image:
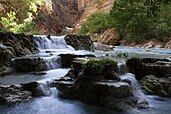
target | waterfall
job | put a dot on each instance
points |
(45, 42)
(46, 89)
(136, 89)
(52, 62)
(50, 47)
(2, 46)
(122, 68)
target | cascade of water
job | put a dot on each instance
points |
(52, 63)
(2, 46)
(122, 68)
(51, 42)
(44, 89)
(136, 89)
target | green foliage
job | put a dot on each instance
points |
(18, 15)
(97, 67)
(95, 23)
(134, 20)
(138, 19)
(135, 57)
(122, 55)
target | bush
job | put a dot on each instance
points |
(96, 23)
(17, 15)
(136, 20)
(98, 67)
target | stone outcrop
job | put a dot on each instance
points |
(14, 45)
(156, 86)
(67, 59)
(58, 14)
(110, 37)
(98, 84)
(28, 64)
(80, 42)
(13, 94)
(149, 66)
(103, 47)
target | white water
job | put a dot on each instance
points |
(2, 46)
(52, 42)
(136, 89)
(51, 104)
(122, 69)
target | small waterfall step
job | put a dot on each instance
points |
(136, 89)
(45, 42)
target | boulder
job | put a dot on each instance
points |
(156, 86)
(21, 44)
(5, 56)
(12, 95)
(32, 87)
(14, 45)
(67, 59)
(67, 89)
(98, 84)
(103, 47)
(5, 70)
(149, 66)
(27, 64)
(80, 42)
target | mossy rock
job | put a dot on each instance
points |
(105, 67)
(151, 85)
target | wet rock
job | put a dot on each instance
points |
(80, 42)
(5, 70)
(103, 47)
(29, 64)
(149, 66)
(156, 86)
(5, 56)
(13, 94)
(67, 89)
(67, 59)
(32, 87)
(14, 45)
(98, 87)
(39, 73)
(20, 43)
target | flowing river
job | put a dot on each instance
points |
(50, 103)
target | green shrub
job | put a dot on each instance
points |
(96, 23)
(97, 67)
(138, 20)
(135, 57)
(18, 15)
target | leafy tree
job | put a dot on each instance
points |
(95, 23)
(17, 15)
(139, 19)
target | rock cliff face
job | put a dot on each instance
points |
(55, 15)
